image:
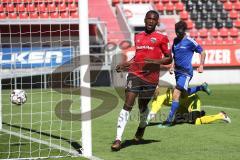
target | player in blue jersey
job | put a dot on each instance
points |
(183, 49)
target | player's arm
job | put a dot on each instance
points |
(202, 60)
(124, 66)
(165, 47)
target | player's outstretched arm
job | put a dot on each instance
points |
(202, 60)
(167, 59)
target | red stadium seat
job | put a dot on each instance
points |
(74, 14)
(12, 15)
(41, 7)
(44, 15)
(233, 14)
(237, 41)
(203, 33)
(159, 7)
(165, 1)
(193, 33)
(1, 8)
(72, 7)
(199, 41)
(223, 1)
(218, 41)
(145, 1)
(228, 6)
(51, 7)
(175, 1)
(65, 14)
(224, 32)
(3, 15)
(62, 7)
(237, 6)
(189, 24)
(21, 7)
(17, 1)
(33, 15)
(179, 6)
(156, 1)
(27, 1)
(184, 15)
(237, 23)
(23, 15)
(229, 40)
(54, 15)
(136, 1)
(10, 7)
(208, 41)
(126, 1)
(30, 7)
(234, 32)
(233, 1)
(169, 8)
(214, 32)
(114, 2)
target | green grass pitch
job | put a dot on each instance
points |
(216, 141)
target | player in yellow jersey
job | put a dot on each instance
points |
(189, 110)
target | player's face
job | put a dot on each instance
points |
(151, 20)
(180, 32)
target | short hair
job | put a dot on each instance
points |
(181, 25)
(153, 12)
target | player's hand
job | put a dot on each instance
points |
(118, 68)
(171, 70)
(122, 67)
(200, 69)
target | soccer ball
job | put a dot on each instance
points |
(18, 96)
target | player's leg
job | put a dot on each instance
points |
(204, 87)
(131, 93)
(182, 82)
(144, 98)
(211, 118)
(156, 106)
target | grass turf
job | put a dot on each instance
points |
(213, 141)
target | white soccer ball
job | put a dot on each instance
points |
(18, 96)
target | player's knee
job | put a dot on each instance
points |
(127, 107)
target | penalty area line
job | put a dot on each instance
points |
(218, 107)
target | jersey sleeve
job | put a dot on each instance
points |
(165, 45)
(196, 47)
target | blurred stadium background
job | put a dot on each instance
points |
(39, 36)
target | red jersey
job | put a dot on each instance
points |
(152, 46)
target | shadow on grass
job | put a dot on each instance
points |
(128, 143)
(74, 144)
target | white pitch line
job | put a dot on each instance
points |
(218, 107)
(73, 152)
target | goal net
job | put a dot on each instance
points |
(39, 43)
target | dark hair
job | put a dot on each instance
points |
(153, 12)
(181, 25)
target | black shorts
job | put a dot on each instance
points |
(137, 85)
(188, 117)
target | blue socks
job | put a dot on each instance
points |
(174, 107)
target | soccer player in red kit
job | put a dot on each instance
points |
(152, 50)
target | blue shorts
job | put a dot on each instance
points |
(182, 81)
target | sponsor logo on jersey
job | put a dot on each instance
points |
(153, 40)
(144, 47)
